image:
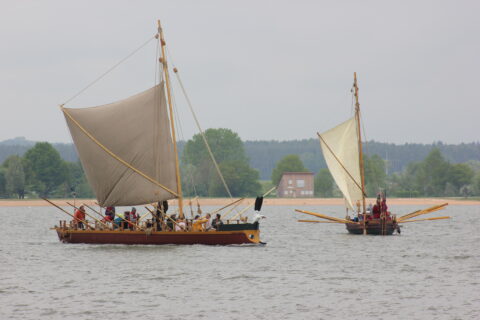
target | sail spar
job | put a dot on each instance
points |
(341, 153)
(126, 149)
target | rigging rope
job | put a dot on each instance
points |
(175, 70)
(109, 70)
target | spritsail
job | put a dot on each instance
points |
(341, 153)
(126, 149)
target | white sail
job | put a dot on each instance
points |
(340, 150)
(126, 149)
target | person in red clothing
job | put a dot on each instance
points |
(377, 208)
(79, 217)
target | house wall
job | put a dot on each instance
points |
(296, 185)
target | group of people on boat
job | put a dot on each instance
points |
(377, 211)
(160, 221)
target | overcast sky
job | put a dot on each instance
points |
(266, 69)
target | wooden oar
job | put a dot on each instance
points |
(228, 205)
(88, 215)
(251, 205)
(86, 205)
(426, 219)
(318, 221)
(420, 212)
(326, 217)
(71, 215)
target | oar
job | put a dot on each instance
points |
(251, 205)
(426, 219)
(226, 214)
(326, 217)
(88, 215)
(420, 212)
(53, 204)
(318, 221)
(228, 205)
(86, 205)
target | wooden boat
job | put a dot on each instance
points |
(343, 153)
(129, 153)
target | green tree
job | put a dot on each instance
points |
(46, 170)
(3, 191)
(460, 175)
(15, 176)
(375, 176)
(241, 179)
(199, 174)
(324, 184)
(289, 163)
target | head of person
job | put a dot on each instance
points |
(378, 198)
(82, 208)
(208, 216)
(219, 216)
(133, 210)
(196, 217)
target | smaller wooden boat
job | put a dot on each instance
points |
(343, 153)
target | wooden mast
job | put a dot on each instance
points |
(172, 121)
(360, 149)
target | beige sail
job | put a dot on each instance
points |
(126, 149)
(340, 150)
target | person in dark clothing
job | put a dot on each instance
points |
(217, 222)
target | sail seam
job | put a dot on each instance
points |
(113, 155)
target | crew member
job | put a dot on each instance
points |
(79, 217)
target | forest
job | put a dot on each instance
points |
(29, 169)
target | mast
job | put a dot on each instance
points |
(172, 122)
(360, 149)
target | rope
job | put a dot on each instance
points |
(203, 135)
(109, 70)
(113, 155)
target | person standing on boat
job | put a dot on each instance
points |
(217, 222)
(110, 214)
(377, 208)
(79, 217)
(208, 224)
(126, 221)
(133, 217)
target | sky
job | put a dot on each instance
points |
(268, 70)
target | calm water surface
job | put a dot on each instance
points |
(307, 271)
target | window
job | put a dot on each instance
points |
(300, 183)
(289, 181)
(285, 192)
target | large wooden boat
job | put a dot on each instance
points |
(343, 153)
(129, 154)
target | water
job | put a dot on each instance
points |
(307, 271)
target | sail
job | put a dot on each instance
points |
(126, 149)
(340, 150)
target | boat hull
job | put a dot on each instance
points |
(373, 227)
(159, 238)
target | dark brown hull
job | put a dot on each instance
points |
(373, 227)
(158, 238)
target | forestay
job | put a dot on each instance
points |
(136, 133)
(341, 153)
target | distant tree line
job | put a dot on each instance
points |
(439, 170)
(41, 172)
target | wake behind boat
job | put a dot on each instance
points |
(343, 153)
(129, 153)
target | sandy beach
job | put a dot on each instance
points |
(267, 202)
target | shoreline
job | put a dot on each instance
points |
(266, 202)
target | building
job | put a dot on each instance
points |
(296, 185)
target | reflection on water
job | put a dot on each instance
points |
(307, 271)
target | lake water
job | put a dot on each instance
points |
(306, 271)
